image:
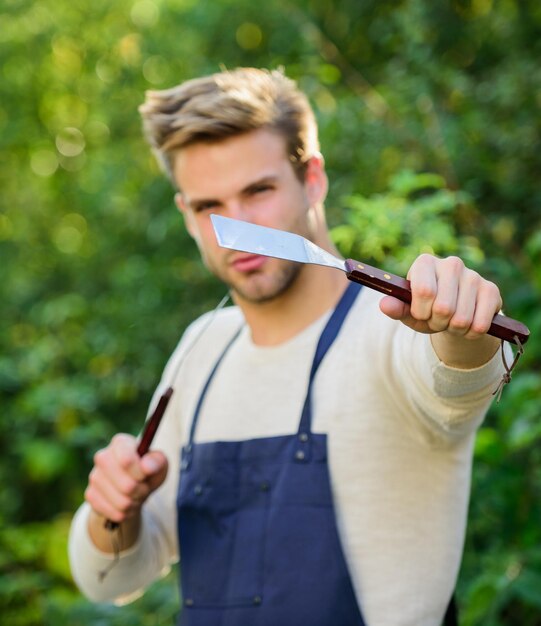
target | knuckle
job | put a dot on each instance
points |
(123, 446)
(93, 477)
(424, 260)
(125, 503)
(459, 323)
(492, 290)
(118, 439)
(91, 496)
(100, 457)
(442, 309)
(419, 315)
(473, 278)
(436, 327)
(125, 456)
(479, 328)
(455, 263)
(88, 492)
(425, 257)
(128, 486)
(423, 291)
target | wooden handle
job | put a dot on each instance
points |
(502, 327)
(153, 422)
(151, 426)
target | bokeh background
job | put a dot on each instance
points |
(430, 116)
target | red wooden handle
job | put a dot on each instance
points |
(153, 422)
(502, 327)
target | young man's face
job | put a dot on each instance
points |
(248, 177)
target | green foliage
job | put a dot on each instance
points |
(502, 567)
(159, 605)
(430, 125)
(414, 216)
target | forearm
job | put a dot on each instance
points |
(455, 351)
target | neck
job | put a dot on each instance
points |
(315, 291)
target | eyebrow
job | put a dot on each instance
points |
(264, 180)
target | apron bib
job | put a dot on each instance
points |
(256, 523)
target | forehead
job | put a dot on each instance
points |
(218, 168)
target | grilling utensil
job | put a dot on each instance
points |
(254, 239)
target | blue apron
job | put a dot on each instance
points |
(257, 531)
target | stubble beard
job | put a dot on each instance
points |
(260, 292)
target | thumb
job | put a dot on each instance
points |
(154, 465)
(394, 308)
(397, 310)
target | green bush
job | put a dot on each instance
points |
(430, 125)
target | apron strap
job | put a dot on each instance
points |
(326, 340)
(207, 385)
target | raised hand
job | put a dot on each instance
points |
(119, 484)
(450, 299)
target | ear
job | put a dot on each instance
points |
(186, 214)
(315, 180)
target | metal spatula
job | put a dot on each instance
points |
(254, 239)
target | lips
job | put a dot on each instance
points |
(248, 262)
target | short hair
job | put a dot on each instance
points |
(229, 103)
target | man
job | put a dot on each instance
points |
(326, 432)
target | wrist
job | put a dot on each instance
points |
(109, 540)
(458, 352)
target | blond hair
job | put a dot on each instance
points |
(226, 104)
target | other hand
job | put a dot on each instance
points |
(121, 480)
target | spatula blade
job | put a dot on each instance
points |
(255, 239)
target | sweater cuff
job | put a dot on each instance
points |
(454, 382)
(88, 562)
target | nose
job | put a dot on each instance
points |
(236, 209)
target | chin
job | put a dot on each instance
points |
(270, 288)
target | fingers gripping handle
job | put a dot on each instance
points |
(389, 284)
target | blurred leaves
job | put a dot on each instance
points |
(414, 216)
(430, 125)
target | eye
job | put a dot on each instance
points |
(205, 206)
(261, 188)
